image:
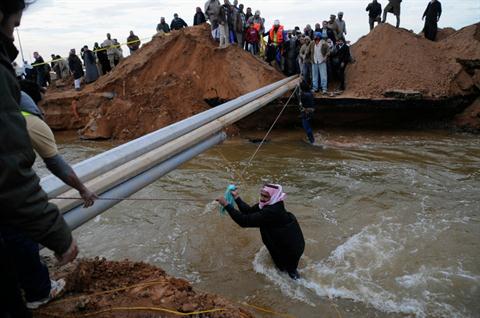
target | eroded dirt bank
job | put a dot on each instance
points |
(170, 78)
(101, 288)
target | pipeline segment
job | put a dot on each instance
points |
(78, 216)
(144, 162)
(108, 160)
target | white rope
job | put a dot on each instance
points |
(265, 138)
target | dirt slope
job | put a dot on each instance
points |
(96, 286)
(396, 59)
(168, 79)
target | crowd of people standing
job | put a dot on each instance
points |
(318, 53)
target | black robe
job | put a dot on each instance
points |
(279, 228)
(431, 15)
(75, 66)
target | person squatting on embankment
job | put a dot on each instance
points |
(279, 228)
(27, 218)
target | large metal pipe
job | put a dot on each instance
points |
(104, 162)
(158, 155)
(79, 215)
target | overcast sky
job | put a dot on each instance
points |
(56, 26)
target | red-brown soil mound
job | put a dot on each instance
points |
(125, 289)
(396, 59)
(167, 80)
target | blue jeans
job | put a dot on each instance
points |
(320, 71)
(32, 273)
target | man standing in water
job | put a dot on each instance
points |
(279, 228)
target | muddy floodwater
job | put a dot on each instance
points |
(391, 222)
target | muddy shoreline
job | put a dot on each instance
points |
(97, 287)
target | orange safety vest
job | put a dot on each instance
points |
(279, 35)
(257, 26)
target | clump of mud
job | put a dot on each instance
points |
(97, 287)
(395, 59)
(170, 78)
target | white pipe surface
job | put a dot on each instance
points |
(113, 158)
(78, 216)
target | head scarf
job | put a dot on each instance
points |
(276, 194)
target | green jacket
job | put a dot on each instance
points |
(23, 203)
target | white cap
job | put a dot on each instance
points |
(276, 22)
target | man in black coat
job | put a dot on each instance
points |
(177, 23)
(41, 70)
(340, 58)
(76, 68)
(374, 13)
(279, 228)
(199, 17)
(432, 16)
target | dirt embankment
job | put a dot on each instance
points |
(389, 59)
(176, 76)
(171, 78)
(126, 289)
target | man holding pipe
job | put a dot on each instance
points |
(26, 217)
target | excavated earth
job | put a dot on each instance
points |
(100, 288)
(170, 78)
(389, 59)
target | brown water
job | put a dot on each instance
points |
(391, 221)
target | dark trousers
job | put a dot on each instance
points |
(307, 73)
(308, 129)
(339, 73)
(41, 79)
(11, 300)
(430, 29)
(32, 274)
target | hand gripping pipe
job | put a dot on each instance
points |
(115, 157)
(78, 216)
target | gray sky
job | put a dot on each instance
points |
(56, 26)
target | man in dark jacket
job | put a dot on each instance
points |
(199, 17)
(163, 26)
(133, 42)
(76, 68)
(374, 12)
(327, 33)
(41, 70)
(26, 215)
(239, 25)
(432, 14)
(340, 58)
(177, 23)
(279, 228)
